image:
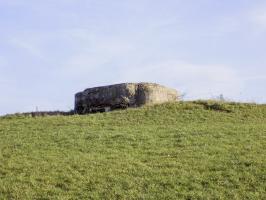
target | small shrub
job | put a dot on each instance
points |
(215, 105)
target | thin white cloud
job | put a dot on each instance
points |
(201, 81)
(258, 16)
(255, 77)
(27, 46)
(95, 52)
(82, 65)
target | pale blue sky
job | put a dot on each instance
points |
(51, 49)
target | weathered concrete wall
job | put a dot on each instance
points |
(122, 96)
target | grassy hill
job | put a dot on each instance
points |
(186, 150)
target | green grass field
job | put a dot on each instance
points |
(186, 150)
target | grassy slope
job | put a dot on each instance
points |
(170, 151)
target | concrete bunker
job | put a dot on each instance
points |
(124, 95)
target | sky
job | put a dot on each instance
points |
(50, 50)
